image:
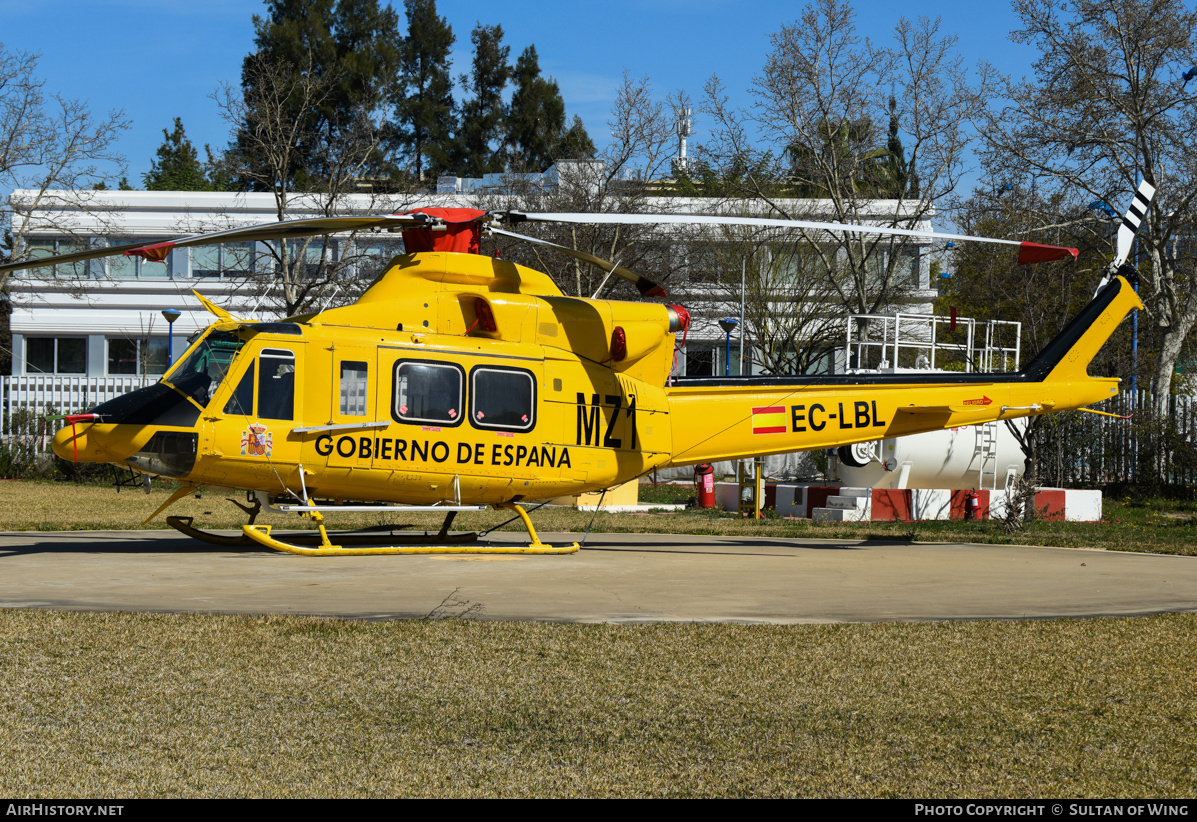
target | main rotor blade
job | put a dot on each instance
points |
(1130, 223)
(645, 286)
(271, 231)
(1028, 252)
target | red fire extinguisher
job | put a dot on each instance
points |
(970, 505)
(704, 485)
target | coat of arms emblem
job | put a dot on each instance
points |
(256, 441)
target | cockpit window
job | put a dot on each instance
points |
(242, 402)
(206, 366)
(276, 384)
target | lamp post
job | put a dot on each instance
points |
(171, 314)
(727, 324)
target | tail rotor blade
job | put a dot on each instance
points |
(1130, 223)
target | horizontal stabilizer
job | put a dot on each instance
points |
(941, 410)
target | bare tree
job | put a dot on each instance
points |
(1109, 106)
(277, 150)
(787, 327)
(622, 178)
(52, 149)
(813, 144)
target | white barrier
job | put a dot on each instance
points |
(25, 399)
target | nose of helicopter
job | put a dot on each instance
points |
(79, 441)
(127, 429)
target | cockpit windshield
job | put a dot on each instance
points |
(206, 367)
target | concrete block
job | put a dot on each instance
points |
(1082, 505)
(840, 515)
(891, 505)
(848, 503)
(931, 503)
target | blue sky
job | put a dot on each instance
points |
(158, 59)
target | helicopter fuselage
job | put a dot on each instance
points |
(462, 378)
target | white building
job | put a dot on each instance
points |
(104, 318)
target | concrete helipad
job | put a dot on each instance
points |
(615, 578)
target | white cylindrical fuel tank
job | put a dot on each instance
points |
(972, 456)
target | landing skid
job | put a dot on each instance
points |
(184, 526)
(357, 544)
(261, 535)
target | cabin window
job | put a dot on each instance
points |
(206, 366)
(502, 399)
(428, 392)
(276, 384)
(242, 401)
(353, 388)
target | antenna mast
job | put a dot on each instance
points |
(684, 129)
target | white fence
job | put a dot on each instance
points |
(25, 400)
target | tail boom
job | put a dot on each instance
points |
(714, 419)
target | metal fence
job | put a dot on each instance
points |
(1154, 446)
(26, 400)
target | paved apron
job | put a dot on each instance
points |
(615, 578)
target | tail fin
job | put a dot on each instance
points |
(1067, 357)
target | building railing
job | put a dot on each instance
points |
(929, 341)
(25, 401)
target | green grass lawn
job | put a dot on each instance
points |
(114, 705)
(102, 705)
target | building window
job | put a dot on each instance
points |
(428, 392)
(502, 399)
(41, 247)
(145, 357)
(700, 362)
(127, 267)
(55, 355)
(228, 260)
(310, 259)
(374, 256)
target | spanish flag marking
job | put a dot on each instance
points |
(769, 420)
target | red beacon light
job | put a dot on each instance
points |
(619, 344)
(484, 318)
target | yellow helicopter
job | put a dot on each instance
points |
(459, 381)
